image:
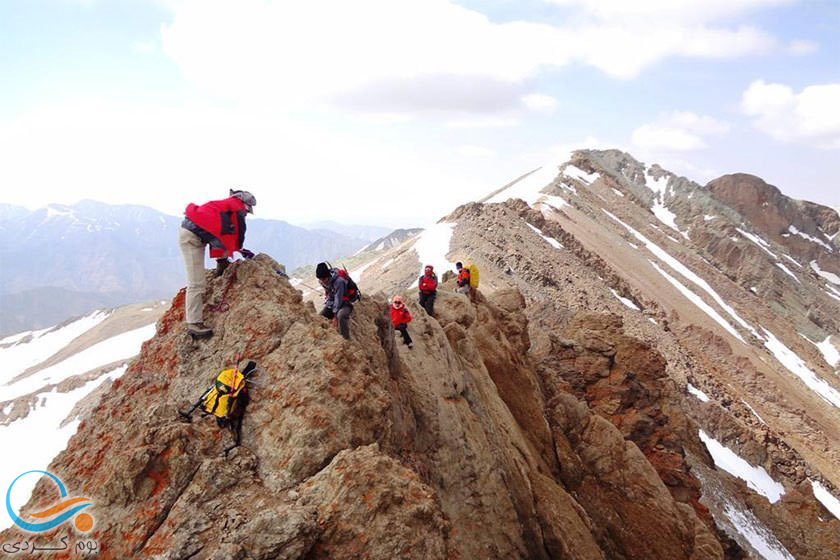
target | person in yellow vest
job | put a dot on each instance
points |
(463, 282)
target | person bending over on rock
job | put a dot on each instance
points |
(463, 283)
(337, 306)
(400, 318)
(221, 225)
(428, 289)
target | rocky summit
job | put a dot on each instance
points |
(648, 370)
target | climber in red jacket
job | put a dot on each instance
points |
(221, 225)
(400, 318)
(427, 285)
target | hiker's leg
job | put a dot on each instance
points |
(192, 248)
(327, 312)
(430, 304)
(404, 332)
(344, 320)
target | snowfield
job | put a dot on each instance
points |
(120, 347)
(22, 355)
(755, 477)
(432, 246)
(796, 366)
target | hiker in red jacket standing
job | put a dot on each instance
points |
(221, 225)
(428, 289)
(400, 318)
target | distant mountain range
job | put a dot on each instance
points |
(60, 261)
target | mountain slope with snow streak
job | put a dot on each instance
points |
(698, 277)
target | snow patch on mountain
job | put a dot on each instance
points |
(758, 241)
(760, 538)
(120, 347)
(574, 172)
(23, 354)
(550, 240)
(677, 266)
(698, 301)
(756, 477)
(756, 414)
(787, 271)
(432, 246)
(830, 276)
(796, 365)
(825, 497)
(625, 301)
(697, 393)
(528, 188)
(792, 229)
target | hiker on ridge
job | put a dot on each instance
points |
(400, 318)
(221, 225)
(428, 289)
(338, 296)
(463, 282)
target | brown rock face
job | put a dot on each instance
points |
(772, 213)
(364, 448)
(624, 380)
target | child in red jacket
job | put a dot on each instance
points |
(400, 318)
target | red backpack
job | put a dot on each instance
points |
(353, 294)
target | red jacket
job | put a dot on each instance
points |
(400, 316)
(428, 284)
(224, 220)
(464, 277)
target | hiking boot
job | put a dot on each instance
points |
(199, 330)
(410, 345)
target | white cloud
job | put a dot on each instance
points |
(802, 47)
(677, 131)
(470, 150)
(483, 122)
(539, 102)
(166, 157)
(687, 11)
(404, 52)
(811, 116)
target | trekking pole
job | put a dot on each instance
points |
(188, 415)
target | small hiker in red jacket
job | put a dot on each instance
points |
(428, 289)
(400, 318)
(221, 225)
(463, 282)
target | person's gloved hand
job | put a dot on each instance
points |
(221, 265)
(246, 253)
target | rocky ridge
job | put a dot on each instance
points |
(458, 448)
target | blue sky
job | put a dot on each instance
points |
(395, 111)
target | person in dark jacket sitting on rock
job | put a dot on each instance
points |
(400, 318)
(428, 289)
(221, 225)
(463, 282)
(337, 306)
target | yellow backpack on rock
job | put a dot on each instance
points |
(473, 276)
(221, 399)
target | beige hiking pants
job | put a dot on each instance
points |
(193, 250)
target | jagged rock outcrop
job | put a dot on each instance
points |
(772, 213)
(364, 448)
